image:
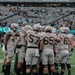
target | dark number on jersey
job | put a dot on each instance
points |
(66, 40)
(49, 40)
(31, 39)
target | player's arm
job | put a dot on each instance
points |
(6, 38)
(24, 31)
(58, 39)
(16, 43)
(72, 43)
(41, 46)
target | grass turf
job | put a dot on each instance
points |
(12, 65)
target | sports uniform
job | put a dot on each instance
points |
(48, 50)
(20, 48)
(70, 54)
(9, 46)
(48, 53)
(63, 49)
(33, 43)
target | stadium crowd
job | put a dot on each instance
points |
(42, 15)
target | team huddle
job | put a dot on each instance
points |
(40, 50)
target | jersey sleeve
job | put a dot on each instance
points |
(9, 32)
(70, 36)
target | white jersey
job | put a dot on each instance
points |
(70, 36)
(33, 38)
(22, 39)
(64, 44)
(11, 39)
(49, 40)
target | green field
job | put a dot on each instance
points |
(12, 66)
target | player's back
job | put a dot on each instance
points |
(33, 39)
(49, 40)
(64, 44)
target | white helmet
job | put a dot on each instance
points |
(14, 25)
(67, 30)
(48, 28)
(64, 29)
(37, 27)
(53, 30)
(28, 27)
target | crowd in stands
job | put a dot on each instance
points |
(42, 15)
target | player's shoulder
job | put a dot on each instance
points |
(9, 32)
(30, 31)
(42, 33)
(70, 35)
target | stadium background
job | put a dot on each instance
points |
(33, 3)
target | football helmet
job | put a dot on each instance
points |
(28, 27)
(67, 30)
(37, 27)
(53, 30)
(64, 30)
(48, 28)
(14, 26)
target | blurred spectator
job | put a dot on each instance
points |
(43, 15)
(27, 19)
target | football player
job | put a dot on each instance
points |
(55, 49)
(20, 65)
(48, 50)
(63, 48)
(9, 45)
(20, 47)
(71, 36)
(33, 47)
